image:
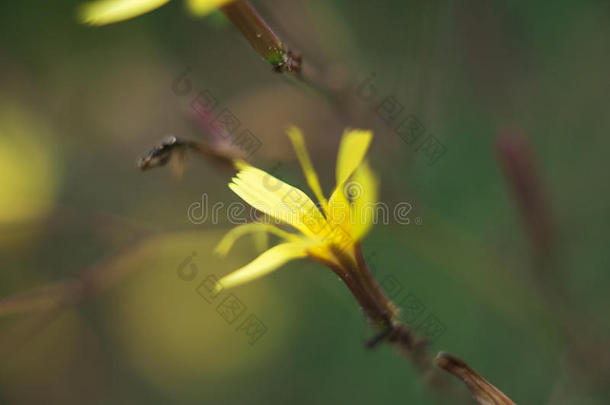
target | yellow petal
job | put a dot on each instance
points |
(339, 211)
(296, 136)
(260, 241)
(353, 205)
(240, 164)
(203, 7)
(338, 207)
(103, 12)
(229, 239)
(278, 200)
(352, 150)
(264, 264)
(363, 205)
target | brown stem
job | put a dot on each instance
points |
(260, 36)
(380, 311)
(371, 308)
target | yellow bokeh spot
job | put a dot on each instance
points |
(28, 168)
(176, 338)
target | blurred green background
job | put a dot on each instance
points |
(79, 104)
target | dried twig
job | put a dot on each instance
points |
(173, 150)
(481, 389)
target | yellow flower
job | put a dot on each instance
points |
(328, 233)
(102, 12)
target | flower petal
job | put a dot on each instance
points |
(352, 150)
(296, 136)
(363, 206)
(278, 200)
(203, 7)
(353, 205)
(229, 239)
(104, 12)
(339, 211)
(264, 264)
(260, 241)
(339, 208)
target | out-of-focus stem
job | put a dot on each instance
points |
(259, 34)
(267, 44)
(519, 163)
(521, 172)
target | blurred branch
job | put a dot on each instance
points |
(481, 389)
(38, 299)
(93, 281)
(518, 162)
(521, 171)
(523, 179)
(13, 339)
(46, 303)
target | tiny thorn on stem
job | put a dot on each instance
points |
(380, 337)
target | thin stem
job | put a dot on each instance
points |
(381, 312)
(268, 45)
(259, 35)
